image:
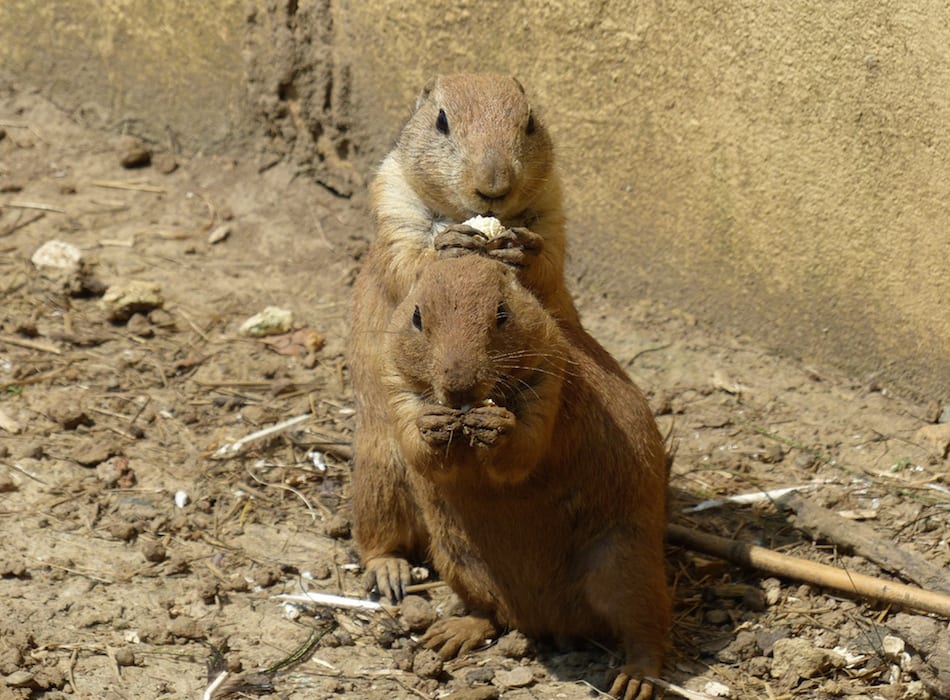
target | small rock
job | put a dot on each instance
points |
(514, 645)
(164, 163)
(518, 677)
(402, 659)
(427, 664)
(133, 153)
(122, 300)
(115, 472)
(892, 646)
(68, 414)
(221, 233)
(716, 689)
(770, 454)
(936, 437)
(773, 591)
(139, 325)
(797, 658)
(716, 617)
(417, 613)
(944, 415)
(920, 632)
(766, 638)
(337, 527)
(271, 321)
(14, 568)
(59, 256)
(479, 675)
(185, 627)
(124, 656)
(19, 679)
(7, 484)
(932, 412)
(483, 693)
(754, 599)
(154, 551)
(804, 461)
(182, 498)
(265, 578)
(123, 531)
(92, 452)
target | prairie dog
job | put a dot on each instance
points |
(538, 470)
(473, 146)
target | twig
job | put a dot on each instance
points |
(215, 684)
(21, 224)
(31, 205)
(285, 487)
(230, 450)
(72, 679)
(121, 185)
(865, 541)
(747, 498)
(31, 344)
(334, 601)
(678, 690)
(764, 559)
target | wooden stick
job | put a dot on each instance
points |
(812, 572)
(123, 185)
(31, 344)
(865, 541)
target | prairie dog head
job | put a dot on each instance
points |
(468, 333)
(475, 146)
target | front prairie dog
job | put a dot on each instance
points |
(538, 469)
(474, 146)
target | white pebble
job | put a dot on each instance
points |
(182, 499)
(316, 458)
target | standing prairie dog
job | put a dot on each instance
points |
(537, 468)
(473, 147)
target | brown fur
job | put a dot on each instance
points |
(431, 181)
(545, 506)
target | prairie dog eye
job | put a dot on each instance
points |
(502, 315)
(442, 122)
(417, 319)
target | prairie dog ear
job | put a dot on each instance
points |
(520, 86)
(426, 90)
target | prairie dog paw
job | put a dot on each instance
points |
(485, 425)
(455, 636)
(388, 575)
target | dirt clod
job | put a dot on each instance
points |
(518, 677)
(153, 551)
(514, 645)
(417, 613)
(133, 153)
(427, 664)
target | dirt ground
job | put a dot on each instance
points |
(141, 548)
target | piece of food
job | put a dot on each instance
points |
(489, 225)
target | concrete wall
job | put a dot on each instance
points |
(779, 169)
(169, 71)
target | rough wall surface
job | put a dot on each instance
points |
(169, 71)
(777, 168)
